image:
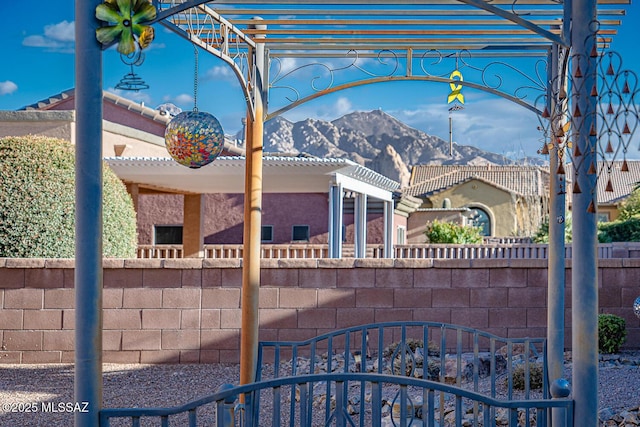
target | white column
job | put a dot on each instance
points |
(360, 219)
(388, 229)
(335, 221)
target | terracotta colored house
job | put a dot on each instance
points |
(503, 200)
(305, 199)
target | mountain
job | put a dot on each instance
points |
(373, 139)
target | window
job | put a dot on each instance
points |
(603, 216)
(167, 234)
(267, 233)
(400, 235)
(300, 233)
(479, 218)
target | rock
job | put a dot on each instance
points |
(467, 366)
(606, 414)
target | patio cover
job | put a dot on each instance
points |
(413, 34)
(281, 174)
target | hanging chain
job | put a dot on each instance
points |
(195, 81)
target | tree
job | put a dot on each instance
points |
(447, 232)
(37, 202)
(631, 205)
(542, 235)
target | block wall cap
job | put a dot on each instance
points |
(528, 263)
(489, 263)
(113, 263)
(25, 263)
(60, 263)
(298, 263)
(143, 263)
(374, 263)
(336, 263)
(628, 262)
(269, 263)
(221, 263)
(413, 263)
(611, 263)
(452, 263)
(183, 263)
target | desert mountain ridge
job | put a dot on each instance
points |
(376, 140)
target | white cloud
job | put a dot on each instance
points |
(491, 124)
(183, 98)
(8, 87)
(328, 111)
(40, 41)
(342, 106)
(58, 37)
(63, 31)
(220, 72)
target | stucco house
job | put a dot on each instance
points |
(306, 200)
(503, 200)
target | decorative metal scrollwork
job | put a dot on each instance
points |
(280, 76)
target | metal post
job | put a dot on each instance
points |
(88, 240)
(584, 280)
(252, 224)
(556, 276)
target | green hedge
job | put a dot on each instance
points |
(627, 230)
(447, 232)
(37, 209)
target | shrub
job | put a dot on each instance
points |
(627, 230)
(37, 202)
(447, 232)
(535, 376)
(612, 333)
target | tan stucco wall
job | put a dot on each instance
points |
(54, 124)
(611, 210)
(476, 193)
(61, 124)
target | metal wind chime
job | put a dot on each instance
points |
(127, 21)
(614, 123)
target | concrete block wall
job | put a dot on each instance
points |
(188, 310)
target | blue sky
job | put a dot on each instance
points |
(39, 62)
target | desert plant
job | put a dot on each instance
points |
(535, 376)
(612, 333)
(447, 232)
(37, 202)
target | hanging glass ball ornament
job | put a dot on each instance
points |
(194, 139)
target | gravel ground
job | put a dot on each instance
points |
(50, 388)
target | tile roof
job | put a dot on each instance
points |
(622, 182)
(141, 109)
(520, 180)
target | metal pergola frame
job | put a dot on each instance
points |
(410, 32)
